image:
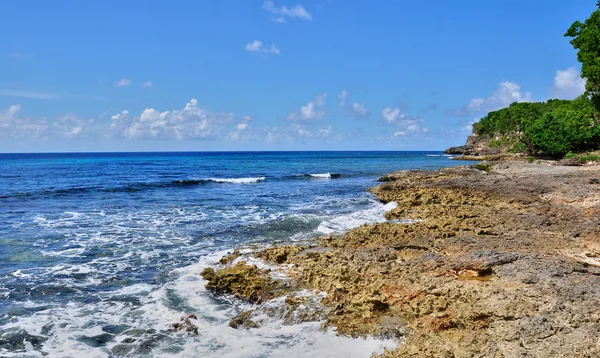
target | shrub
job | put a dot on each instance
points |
(519, 147)
(566, 129)
(570, 155)
(484, 167)
(530, 159)
(589, 158)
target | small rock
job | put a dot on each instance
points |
(186, 325)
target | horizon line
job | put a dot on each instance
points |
(220, 151)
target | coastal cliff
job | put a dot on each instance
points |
(471, 263)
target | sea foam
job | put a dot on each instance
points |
(236, 180)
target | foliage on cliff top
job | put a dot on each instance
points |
(586, 39)
(515, 117)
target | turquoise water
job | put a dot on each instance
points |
(99, 252)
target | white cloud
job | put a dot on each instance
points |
(324, 132)
(191, 122)
(147, 84)
(506, 93)
(404, 123)
(312, 110)
(297, 11)
(123, 82)
(568, 84)
(301, 131)
(258, 47)
(390, 114)
(14, 126)
(240, 133)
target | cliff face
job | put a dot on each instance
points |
(483, 145)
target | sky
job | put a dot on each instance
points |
(274, 75)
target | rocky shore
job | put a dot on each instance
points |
(471, 263)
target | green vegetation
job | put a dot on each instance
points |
(552, 128)
(556, 127)
(586, 39)
(514, 117)
(530, 159)
(568, 128)
(519, 147)
(484, 167)
(583, 158)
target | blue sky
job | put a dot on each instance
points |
(274, 75)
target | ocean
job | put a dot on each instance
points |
(101, 252)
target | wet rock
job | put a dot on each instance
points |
(225, 260)
(147, 345)
(243, 320)
(122, 350)
(185, 324)
(242, 280)
(96, 341)
(15, 341)
(115, 328)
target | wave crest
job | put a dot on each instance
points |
(236, 180)
(325, 175)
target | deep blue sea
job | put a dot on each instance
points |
(100, 252)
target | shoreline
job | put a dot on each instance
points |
(498, 263)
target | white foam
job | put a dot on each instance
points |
(346, 222)
(433, 155)
(163, 305)
(237, 180)
(325, 175)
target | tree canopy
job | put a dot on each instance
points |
(586, 39)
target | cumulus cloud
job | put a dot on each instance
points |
(147, 84)
(14, 126)
(240, 132)
(191, 122)
(506, 93)
(405, 124)
(258, 47)
(297, 11)
(312, 110)
(568, 84)
(123, 82)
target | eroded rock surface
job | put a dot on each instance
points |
(503, 263)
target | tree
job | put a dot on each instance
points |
(586, 39)
(566, 129)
